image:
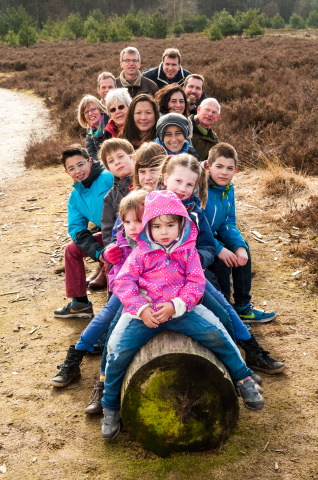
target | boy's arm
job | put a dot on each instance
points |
(205, 244)
(108, 217)
(126, 284)
(77, 229)
(229, 234)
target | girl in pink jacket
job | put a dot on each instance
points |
(160, 286)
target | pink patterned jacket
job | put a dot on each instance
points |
(153, 272)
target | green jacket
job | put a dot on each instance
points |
(202, 143)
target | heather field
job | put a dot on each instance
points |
(268, 89)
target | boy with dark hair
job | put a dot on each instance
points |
(91, 184)
(232, 253)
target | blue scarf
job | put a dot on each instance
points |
(184, 148)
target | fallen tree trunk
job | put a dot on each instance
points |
(177, 396)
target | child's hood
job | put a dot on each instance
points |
(164, 202)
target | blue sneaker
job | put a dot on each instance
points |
(249, 314)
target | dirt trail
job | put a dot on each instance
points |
(44, 431)
(22, 116)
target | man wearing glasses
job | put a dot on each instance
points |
(130, 76)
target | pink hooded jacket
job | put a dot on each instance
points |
(162, 274)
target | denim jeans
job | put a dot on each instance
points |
(242, 280)
(99, 325)
(109, 332)
(241, 332)
(130, 334)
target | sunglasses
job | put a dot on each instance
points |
(120, 107)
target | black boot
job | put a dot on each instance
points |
(70, 369)
(258, 359)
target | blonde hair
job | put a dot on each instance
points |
(188, 161)
(148, 155)
(83, 104)
(132, 202)
(112, 145)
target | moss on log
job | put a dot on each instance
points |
(177, 396)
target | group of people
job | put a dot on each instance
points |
(157, 183)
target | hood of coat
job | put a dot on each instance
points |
(164, 202)
(96, 170)
(222, 189)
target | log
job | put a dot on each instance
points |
(177, 396)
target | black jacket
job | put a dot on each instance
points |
(158, 76)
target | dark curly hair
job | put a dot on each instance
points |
(163, 97)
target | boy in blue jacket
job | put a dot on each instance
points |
(232, 251)
(91, 183)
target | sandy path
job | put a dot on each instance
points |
(22, 116)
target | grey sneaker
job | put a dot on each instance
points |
(251, 397)
(110, 423)
(75, 309)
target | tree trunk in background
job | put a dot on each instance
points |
(177, 396)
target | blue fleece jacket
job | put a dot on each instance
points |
(220, 213)
(85, 204)
(205, 244)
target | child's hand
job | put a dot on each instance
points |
(165, 312)
(242, 257)
(228, 257)
(113, 254)
(148, 317)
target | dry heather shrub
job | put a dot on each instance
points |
(305, 216)
(268, 87)
(45, 153)
(279, 180)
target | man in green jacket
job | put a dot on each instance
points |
(204, 137)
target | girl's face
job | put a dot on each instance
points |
(144, 116)
(92, 115)
(117, 112)
(164, 230)
(176, 103)
(148, 177)
(173, 138)
(222, 170)
(182, 181)
(132, 226)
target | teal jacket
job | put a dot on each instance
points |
(85, 204)
(220, 212)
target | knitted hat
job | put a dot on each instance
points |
(174, 119)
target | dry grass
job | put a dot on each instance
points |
(268, 87)
(280, 180)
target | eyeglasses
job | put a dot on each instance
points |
(127, 60)
(91, 110)
(79, 166)
(119, 107)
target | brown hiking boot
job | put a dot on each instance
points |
(95, 405)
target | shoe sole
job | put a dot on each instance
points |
(270, 372)
(253, 320)
(74, 315)
(64, 384)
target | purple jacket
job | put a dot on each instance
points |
(122, 242)
(153, 272)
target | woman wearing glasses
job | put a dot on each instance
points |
(91, 114)
(117, 103)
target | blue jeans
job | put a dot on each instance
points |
(99, 325)
(241, 332)
(130, 334)
(242, 280)
(110, 331)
